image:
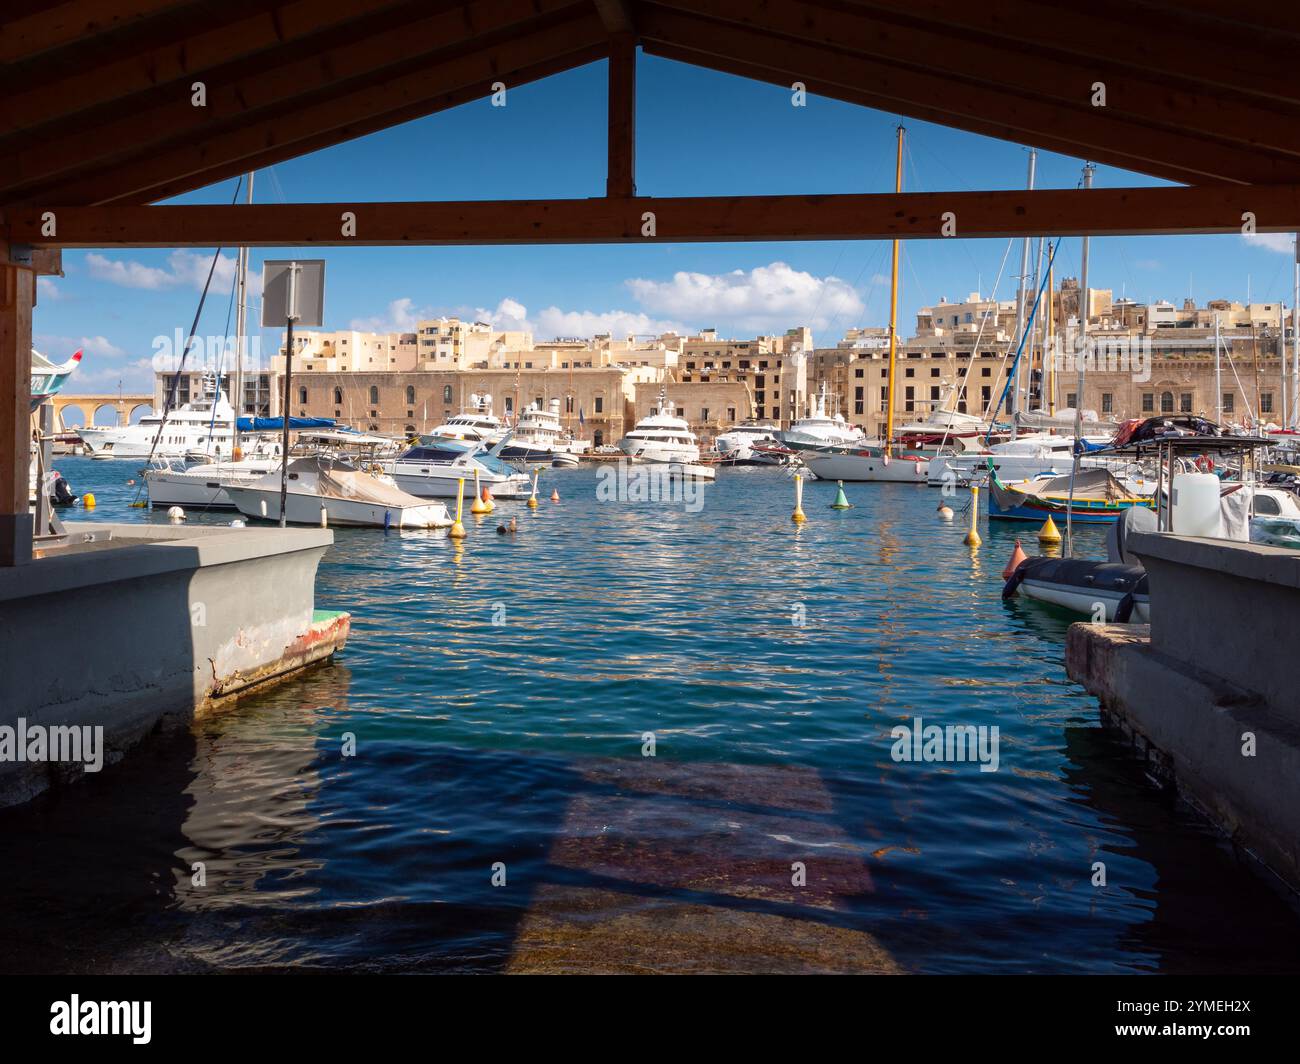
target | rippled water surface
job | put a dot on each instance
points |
(500, 697)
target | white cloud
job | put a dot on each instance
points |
(183, 268)
(59, 348)
(1283, 243)
(767, 298)
(402, 316)
(554, 321)
(47, 290)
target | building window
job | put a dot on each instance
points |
(986, 371)
(374, 395)
(1148, 402)
(936, 370)
(1185, 402)
(1227, 402)
(568, 404)
(858, 372)
(731, 413)
(1166, 402)
(1071, 400)
(909, 398)
(446, 393)
(600, 404)
(1107, 403)
(910, 371)
(704, 413)
(410, 394)
(338, 396)
(1266, 403)
(302, 395)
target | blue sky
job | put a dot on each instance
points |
(699, 133)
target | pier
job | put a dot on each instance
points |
(1207, 692)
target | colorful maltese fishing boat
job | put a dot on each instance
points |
(1098, 498)
(47, 378)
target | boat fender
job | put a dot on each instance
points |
(1013, 581)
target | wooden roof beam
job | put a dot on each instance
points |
(879, 216)
(1031, 73)
(279, 134)
(33, 97)
(234, 96)
(1154, 43)
(1086, 132)
(28, 32)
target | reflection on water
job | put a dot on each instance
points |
(499, 813)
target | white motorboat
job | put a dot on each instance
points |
(476, 426)
(206, 425)
(662, 436)
(539, 437)
(203, 486)
(335, 489)
(736, 445)
(432, 468)
(820, 428)
(866, 464)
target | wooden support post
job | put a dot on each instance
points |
(17, 293)
(621, 180)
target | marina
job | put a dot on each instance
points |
(522, 742)
(638, 487)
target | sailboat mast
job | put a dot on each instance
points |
(1049, 356)
(1020, 298)
(1080, 356)
(893, 309)
(1218, 375)
(1295, 339)
(241, 300)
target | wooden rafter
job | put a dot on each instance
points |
(1047, 212)
(921, 93)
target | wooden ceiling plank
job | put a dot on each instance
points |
(1153, 44)
(31, 33)
(1030, 73)
(332, 119)
(1092, 132)
(67, 89)
(274, 84)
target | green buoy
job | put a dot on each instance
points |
(841, 501)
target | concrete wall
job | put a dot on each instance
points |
(150, 621)
(1231, 608)
(1208, 694)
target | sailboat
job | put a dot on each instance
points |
(876, 463)
(48, 378)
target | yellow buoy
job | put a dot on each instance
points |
(798, 517)
(88, 501)
(457, 530)
(973, 536)
(478, 507)
(1048, 533)
(532, 499)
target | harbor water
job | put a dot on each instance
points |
(641, 736)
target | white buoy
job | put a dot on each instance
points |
(263, 506)
(176, 513)
(237, 523)
(324, 517)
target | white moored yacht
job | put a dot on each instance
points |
(736, 445)
(322, 489)
(539, 437)
(479, 425)
(203, 486)
(432, 467)
(661, 436)
(206, 425)
(821, 429)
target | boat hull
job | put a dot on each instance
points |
(434, 483)
(867, 466)
(305, 509)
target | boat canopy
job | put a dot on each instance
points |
(269, 424)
